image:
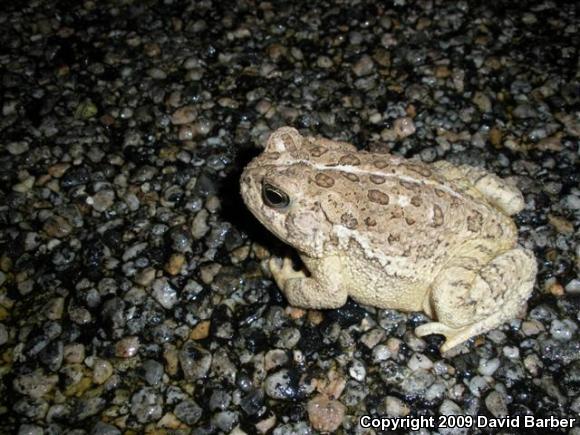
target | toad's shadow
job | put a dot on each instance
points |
(235, 211)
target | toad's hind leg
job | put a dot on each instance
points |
(474, 294)
(506, 197)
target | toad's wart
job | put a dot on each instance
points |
(392, 233)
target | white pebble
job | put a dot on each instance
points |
(488, 367)
(357, 371)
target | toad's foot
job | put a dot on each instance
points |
(453, 336)
(283, 269)
(322, 289)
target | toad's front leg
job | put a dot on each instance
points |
(324, 288)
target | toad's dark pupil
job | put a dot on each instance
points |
(274, 197)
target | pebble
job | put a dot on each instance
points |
(102, 371)
(419, 361)
(280, 385)
(101, 428)
(194, 361)
(325, 415)
(477, 385)
(364, 66)
(563, 330)
(17, 148)
(103, 200)
(3, 334)
(175, 263)
(188, 411)
(511, 352)
(488, 367)
(496, 403)
(184, 115)
(403, 127)
(225, 420)
(395, 407)
(164, 293)
(152, 372)
(357, 370)
(573, 287)
(35, 384)
(127, 347)
(30, 429)
(147, 405)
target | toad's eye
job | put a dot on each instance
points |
(274, 197)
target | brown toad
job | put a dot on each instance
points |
(392, 233)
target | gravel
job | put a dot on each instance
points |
(133, 292)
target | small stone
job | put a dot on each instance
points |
(573, 287)
(417, 382)
(102, 428)
(147, 405)
(164, 293)
(511, 352)
(209, 271)
(152, 49)
(86, 110)
(496, 403)
(188, 412)
(562, 330)
(357, 370)
(562, 225)
(54, 309)
(57, 227)
(442, 71)
(395, 407)
(324, 62)
(74, 353)
(157, 74)
(145, 277)
(225, 421)
(17, 148)
(3, 334)
(186, 132)
(488, 367)
(153, 372)
(199, 227)
(275, 358)
(201, 330)
(482, 101)
(127, 347)
(495, 137)
(381, 353)
(403, 127)
(364, 66)
(175, 263)
(30, 429)
(35, 384)
(448, 407)
(325, 415)
(184, 115)
(281, 385)
(532, 327)
(102, 371)
(264, 426)
(219, 400)
(25, 185)
(194, 361)
(419, 361)
(103, 200)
